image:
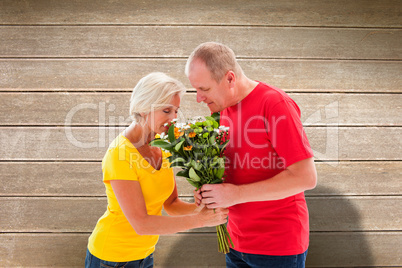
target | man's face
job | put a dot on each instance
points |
(214, 94)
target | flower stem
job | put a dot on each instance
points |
(223, 236)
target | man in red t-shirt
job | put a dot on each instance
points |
(269, 162)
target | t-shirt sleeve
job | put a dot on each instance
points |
(286, 133)
(116, 167)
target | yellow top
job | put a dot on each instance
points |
(113, 238)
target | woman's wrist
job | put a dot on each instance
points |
(198, 221)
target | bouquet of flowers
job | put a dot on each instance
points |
(197, 147)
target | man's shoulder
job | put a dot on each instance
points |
(271, 95)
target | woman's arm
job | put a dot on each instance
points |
(175, 207)
(131, 200)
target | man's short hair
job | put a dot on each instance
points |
(218, 58)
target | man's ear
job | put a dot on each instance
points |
(231, 78)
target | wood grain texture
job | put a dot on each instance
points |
(344, 179)
(359, 13)
(80, 214)
(345, 249)
(179, 41)
(340, 60)
(85, 179)
(93, 109)
(123, 74)
(90, 143)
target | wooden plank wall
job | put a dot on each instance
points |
(67, 69)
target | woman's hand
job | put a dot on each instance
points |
(213, 217)
(197, 197)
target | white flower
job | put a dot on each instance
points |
(166, 124)
(163, 135)
(180, 125)
(223, 128)
(174, 120)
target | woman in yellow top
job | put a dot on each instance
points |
(139, 182)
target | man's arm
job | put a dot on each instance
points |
(296, 178)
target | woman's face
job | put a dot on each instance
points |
(160, 117)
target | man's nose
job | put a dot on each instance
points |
(200, 97)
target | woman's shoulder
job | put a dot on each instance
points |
(119, 148)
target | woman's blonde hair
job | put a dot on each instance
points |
(218, 58)
(153, 92)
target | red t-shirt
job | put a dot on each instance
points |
(266, 135)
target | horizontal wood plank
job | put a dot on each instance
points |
(350, 249)
(80, 214)
(359, 13)
(90, 143)
(343, 179)
(92, 109)
(85, 179)
(51, 179)
(76, 62)
(355, 249)
(179, 41)
(123, 74)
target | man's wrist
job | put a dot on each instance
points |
(240, 194)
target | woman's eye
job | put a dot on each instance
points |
(166, 111)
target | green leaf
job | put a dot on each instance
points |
(196, 165)
(222, 146)
(162, 144)
(220, 172)
(178, 146)
(206, 134)
(178, 162)
(212, 139)
(216, 181)
(171, 133)
(221, 162)
(193, 183)
(183, 173)
(216, 116)
(215, 162)
(179, 159)
(193, 175)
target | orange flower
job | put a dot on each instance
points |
(192, 134)
(178, 133)
(188, 148)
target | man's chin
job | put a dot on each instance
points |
(212, 107)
